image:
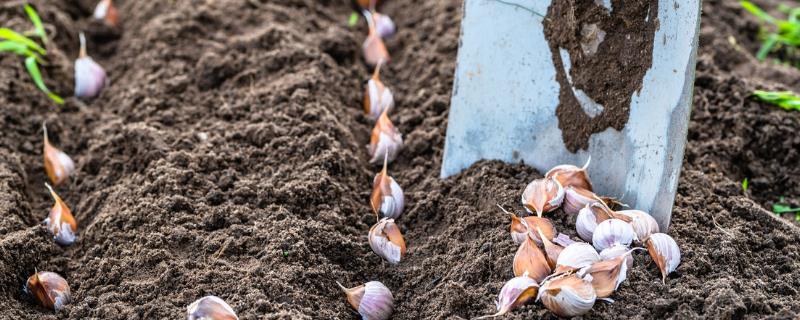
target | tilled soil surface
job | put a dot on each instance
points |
(228, 158)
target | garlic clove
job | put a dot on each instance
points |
(210, 308)
(551, 250)
(106, 12)
(57, 164)
(616, 251)
(384, 25)
(576, 256)
(90, 78)
(385, 140)
(531, 260)
(585, 223)
(519, 227)
(643, 224)
(665, 252)
(576, 199)
(374, 49)
(612, 232)
(542, 195)
(386, 241)
(372, 300)
(607, 275)
(377, 97)
(514, 293)
(387, 198)
(60, 221)
(572, 176)
(49, 289)
(568, 295)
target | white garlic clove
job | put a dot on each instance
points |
(377, 97)
(542, 196)
(372, 300)
(576, 256)
(385, 141)
(106, 12)
(514, 293)
(616, 251)
(529, 259)
(607, 275)
(612, 232)
(665, 252)
(585, 223)
(643, 224)
(57, 164)
(387, 198)
(210, 308)
(90, 78)
(568, 295)
(571, 176)
(386, 241)
(384, 25)
(576, 199)
(60, 221)
(49, 289)
(374, 49)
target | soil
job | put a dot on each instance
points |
(603, 48)
(227, 157)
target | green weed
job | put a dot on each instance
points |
(781, 207)
(778, 33)
(784, 99)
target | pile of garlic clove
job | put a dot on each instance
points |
(569, 276)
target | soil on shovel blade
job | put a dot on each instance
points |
(227, 157)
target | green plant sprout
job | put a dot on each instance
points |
(353, 20)
(745, 184)
(781, 207)
(33, 53)
(784, 99)
(785, 33)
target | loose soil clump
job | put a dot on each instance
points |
(227, 157)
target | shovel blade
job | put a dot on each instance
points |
(506, 94)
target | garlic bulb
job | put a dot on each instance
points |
(377, 98)
(612, 232)
(106, 12)
(665, 252)
(520, 227)
(57, 164)
(514, 293)
(90, 78)
(60, 221)
(542, 195)
(384, 25)
(643, 224)
(372, 300)
(607, 275)
(387, 241)
(385, 142)
(49, 289)
(374, 49)
(568, 295)
(531, 260)
(576, 199)
(576, 256)
(387, 198)
(210, 308)
(572, 176)
(616, 251)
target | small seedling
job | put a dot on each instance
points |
(781, 207)
(745, 184)
(353, 20)
(784, 99)
(33, 53)
(783, 33)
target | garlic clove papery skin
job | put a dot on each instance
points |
(385, 141)
(616, 251)
(665, 252)
(607, 275)
(572, 176)
(387, 198)
(57, 164)
(386, 241)
(384, 25)
(378, 99)
(514, 293)
(612, 232)
(49, 289)
(563, 240)
(568, 296)
(374, 49)
(372, 300)
(530, 260)
(643, 223)
(60, 222)
(542, 196)
(575, 199)
(210, 308)
(576, 256)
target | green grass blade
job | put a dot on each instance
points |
(353, 20)
(784, 99)
(779, 208)
(37, 23)
(33, 70)
(767, 47)
(18, 48)
(756, 11)
(8, 34)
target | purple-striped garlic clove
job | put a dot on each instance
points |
(210, 308)
(372, 300)
(90, 78)
(542, 195)
(665, 252)
(386, 241)
(612, 232)
(514, 293)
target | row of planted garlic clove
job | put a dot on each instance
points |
(373, 300)
(570, 276)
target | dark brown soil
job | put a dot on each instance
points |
(228, 158)
(625, 50)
